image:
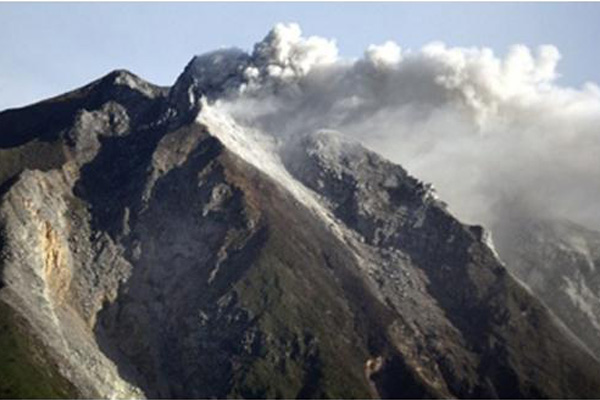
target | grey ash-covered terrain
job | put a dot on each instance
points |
(560, 261)
(150, 247)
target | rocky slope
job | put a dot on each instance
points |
(157, 248)
(560, 262)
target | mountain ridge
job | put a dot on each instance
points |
(273, 258)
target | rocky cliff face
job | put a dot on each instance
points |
(157, 248)
(57, 268)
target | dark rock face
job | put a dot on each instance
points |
(209, 75)
(495, 317)
(149, 258)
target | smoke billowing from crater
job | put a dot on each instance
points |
(498, 137)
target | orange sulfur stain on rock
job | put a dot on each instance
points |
(56, 269)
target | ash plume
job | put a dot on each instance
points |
(497, 136)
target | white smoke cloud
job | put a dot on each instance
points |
(497, 136)
(286, 55)
(387, 55)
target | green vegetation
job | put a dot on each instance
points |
(312, 349)
(25, 368)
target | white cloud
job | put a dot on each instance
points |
(286, 54)
(387, 55)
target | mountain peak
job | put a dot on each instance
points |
(122, 78)
(251, 259)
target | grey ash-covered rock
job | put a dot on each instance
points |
(560, 262)
(446, 266)
(150, 259)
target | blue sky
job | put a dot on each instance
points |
(49, 48)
